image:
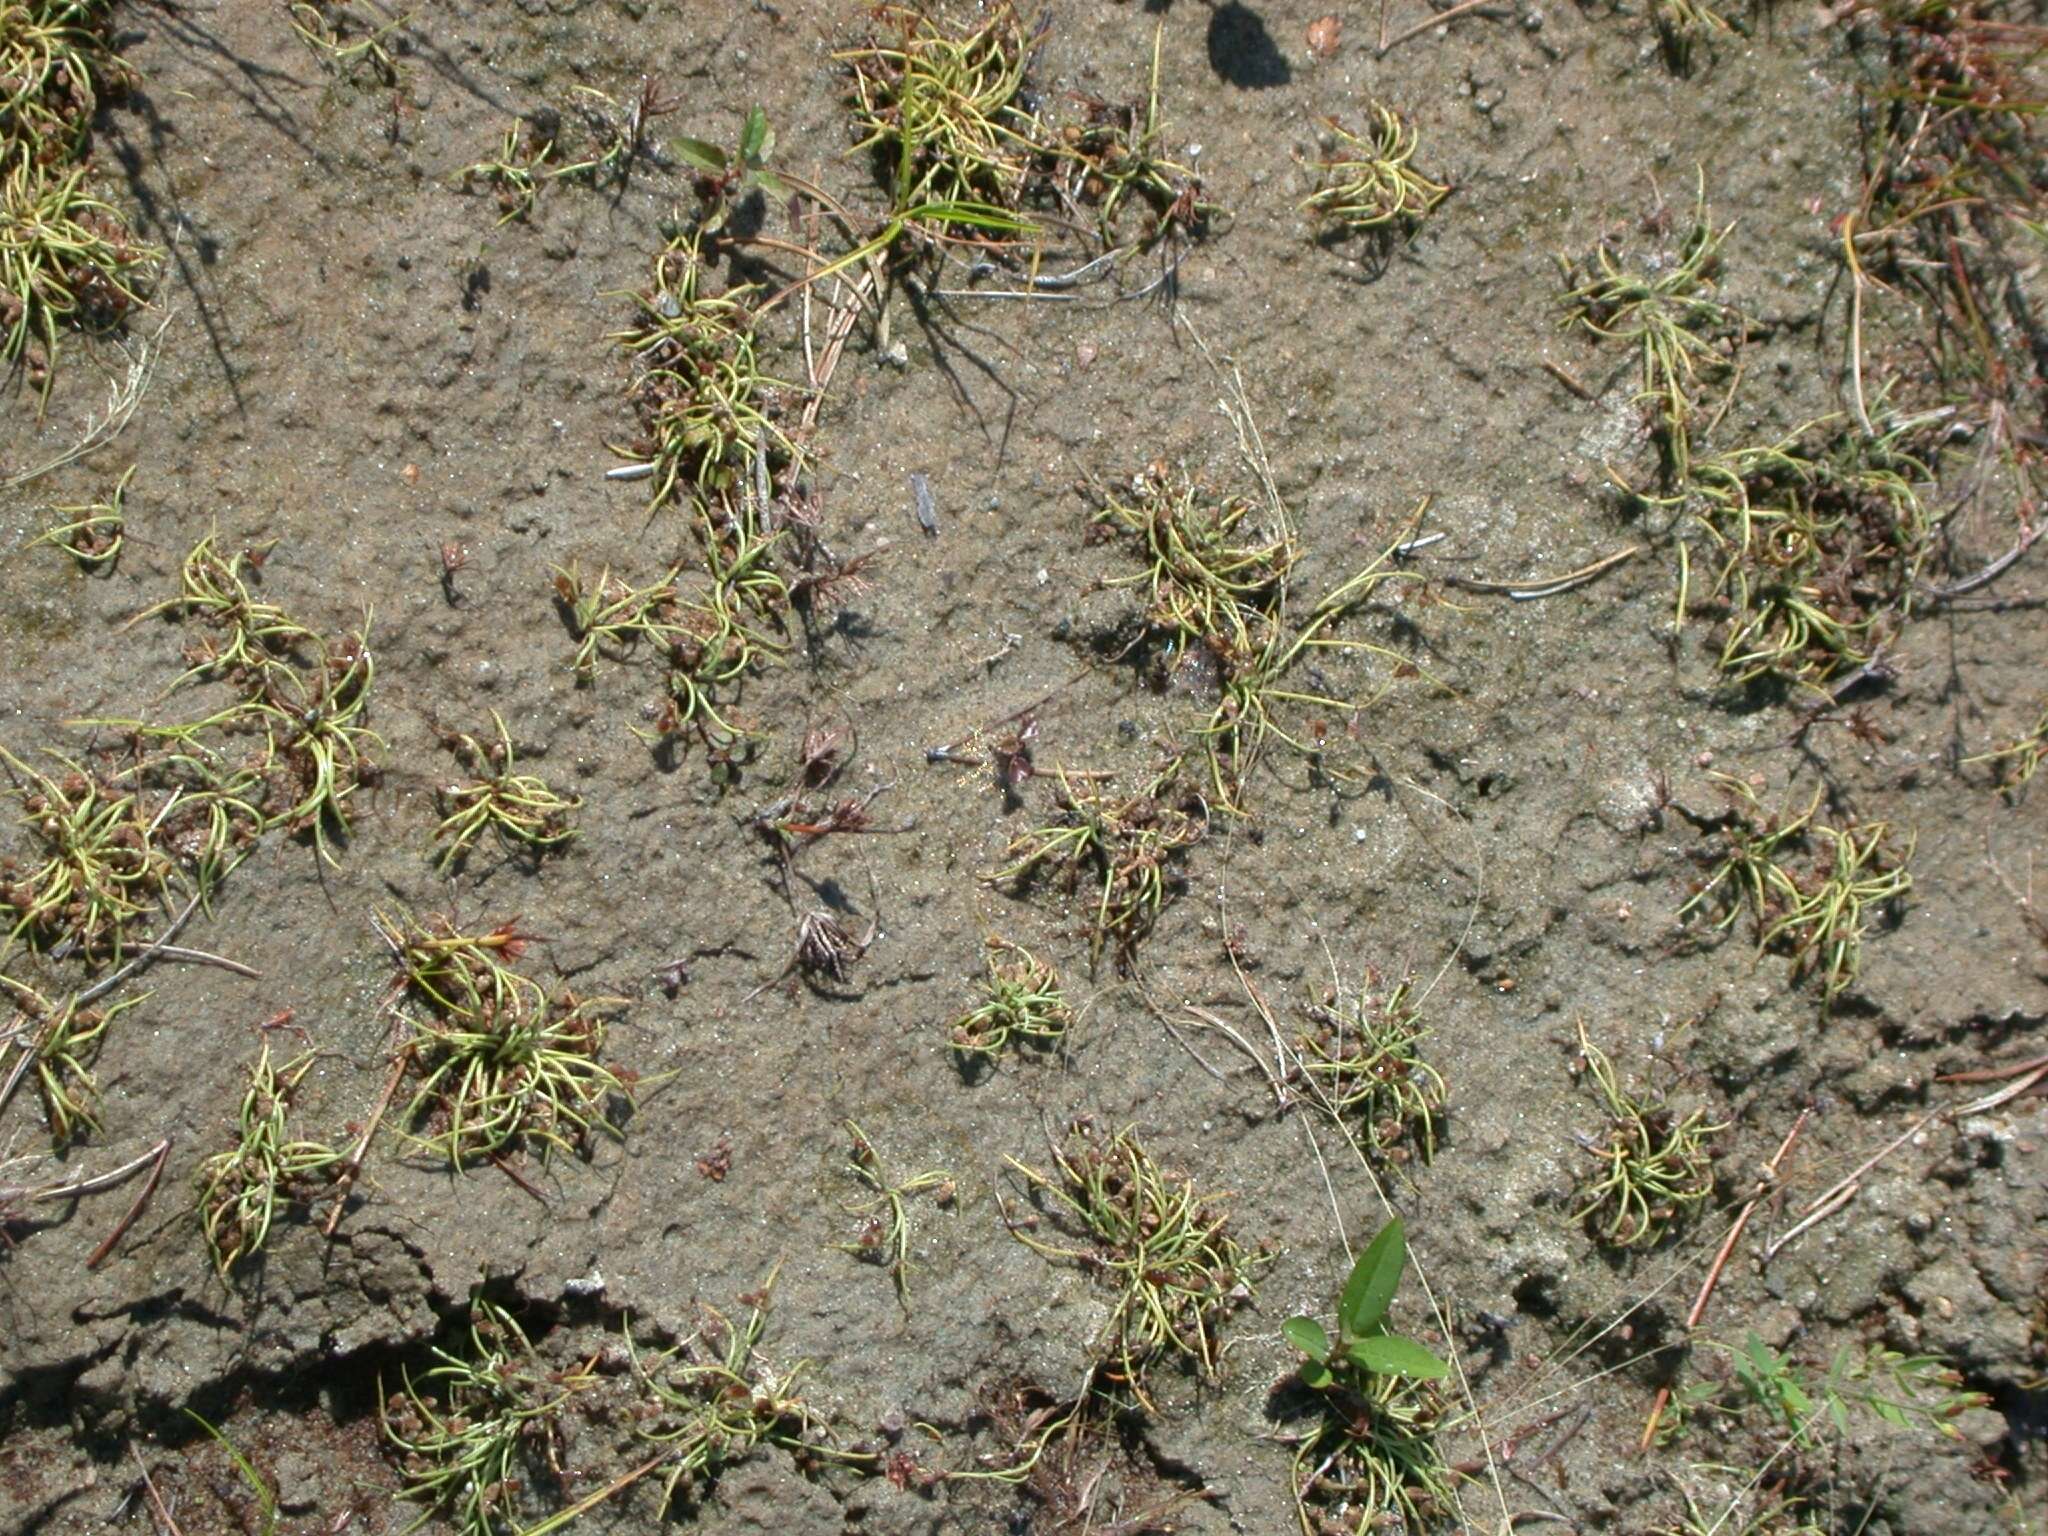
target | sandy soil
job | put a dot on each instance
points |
(361, 367)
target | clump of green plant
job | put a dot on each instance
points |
(1670, 315)
(1819, 541)
(1819, 913)
(101, 865)
(1159, 1242)
(1127, 846)
(249, 635)
(885, 1225)
(1217, 607)
(57, 58)
(66, 260)
(301, 699)
(1371, 1461)
(1111, 161)
(1367, 184)
(943, 110)
(476, 1428)
(499, 1063)
(317, 748)
(241, 1189)
(1903, 1391)
(1203, 558)
(1362, 1057)
(519, 807)
(703, 402)
(1023, 1002)
(1653, 1169)
(60, 1041)
(92, 533)
(2017, 761)
(714, 1400)
(705, 643)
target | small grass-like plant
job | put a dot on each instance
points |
(1817, 911)
(1371, 1462)
(346, 43)
(240, 1190)
(473, 1429)
(1203, 557)
(525, 157)
(249, 635)
(1362, 1057)
(1818, 542)
(943, 110)
(57, 59)
(1216, 583)
(1670, 315)
(714, 1400)
(61, 1041)
(1112, 161)
(1127, 846)
(706, 643)
(1022, 1002)
(519, 807)
(1653, 1169)
(885, 1225)
(500, 1063)
(610, 619)
(1861, 870)
(1159, 1242)
(101, 866)
(2015, 762)
(66, 261)
(703, 402)
(319, 750)
(1367, 184)
(92, 533)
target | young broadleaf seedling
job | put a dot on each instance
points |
(1362, 1338)
(1372, 1452)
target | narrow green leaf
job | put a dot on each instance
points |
(1374, 1279)
(1388, 1354)
(1307, 1335)
(699, 155)
(757, 139)
(266, 1501)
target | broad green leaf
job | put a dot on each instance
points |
(757, 139)
(1315, 1375)
(1388, 1354)
(1307, 1335)
(768, 181)
(699, 155)
(1374, 1279)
